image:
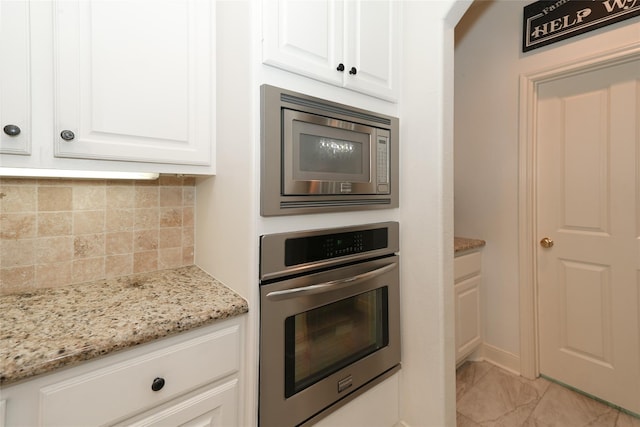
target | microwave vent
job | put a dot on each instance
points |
(332, 203)
(334, 109)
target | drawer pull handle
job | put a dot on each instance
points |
(67, 135)
(157, 384)
(12, 130)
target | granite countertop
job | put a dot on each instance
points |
(51, 328)
(461, 244)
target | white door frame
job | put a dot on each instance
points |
(527, 187)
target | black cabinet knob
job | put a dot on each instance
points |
(157, 384)
(340, 67)
(67, 135)
(12, 130)
(353, 71)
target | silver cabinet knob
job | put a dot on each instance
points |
(67, 135)
(12, 130)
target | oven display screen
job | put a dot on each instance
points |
(322, 341)
(317, 248)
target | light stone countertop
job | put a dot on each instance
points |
(53, 328)
(461, 244)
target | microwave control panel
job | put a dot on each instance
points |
(382, 168)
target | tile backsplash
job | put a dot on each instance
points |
(55, 232)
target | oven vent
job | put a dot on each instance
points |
(332, 203)
(334, 109)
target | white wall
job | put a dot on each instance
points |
(489, 61)
(225, 233)
(228, 221)
(426, 111)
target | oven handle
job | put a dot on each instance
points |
(328, 286)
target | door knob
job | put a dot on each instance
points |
(546, 242)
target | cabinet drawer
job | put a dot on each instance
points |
(216, 406)
(466, 265)
(124, 389)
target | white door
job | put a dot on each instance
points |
(15, 114)
(588, 205)
(134, 80)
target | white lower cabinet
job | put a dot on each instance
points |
(213, 407)
(467, 304)
(190, 379)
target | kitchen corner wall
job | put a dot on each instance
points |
(55, 232)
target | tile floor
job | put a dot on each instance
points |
(489, 396)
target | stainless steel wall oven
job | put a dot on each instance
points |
(329, 319)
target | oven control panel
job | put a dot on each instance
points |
(343, 245)
(297, 252)
(307, 249)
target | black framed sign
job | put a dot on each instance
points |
(549, 21)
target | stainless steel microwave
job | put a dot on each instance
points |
(320, 156)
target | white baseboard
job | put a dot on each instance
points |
(499, 357)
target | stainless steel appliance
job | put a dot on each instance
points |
(320, 156)
(329, 319)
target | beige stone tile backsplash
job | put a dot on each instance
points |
(55, 232)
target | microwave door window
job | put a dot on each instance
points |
(324, 153)
(330, 156)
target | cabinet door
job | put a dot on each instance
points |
(134, 80)
(15, 125)
(305, 37)
(216, 407)
(468, 320)
(371, 39)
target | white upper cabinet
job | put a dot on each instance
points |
(133, 80)
(111, 85)
(353, 44)
(305, 37)
(14, 78)
(371, 47)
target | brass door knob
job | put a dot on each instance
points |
(546, 242)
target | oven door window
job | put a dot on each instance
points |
(322, 341)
